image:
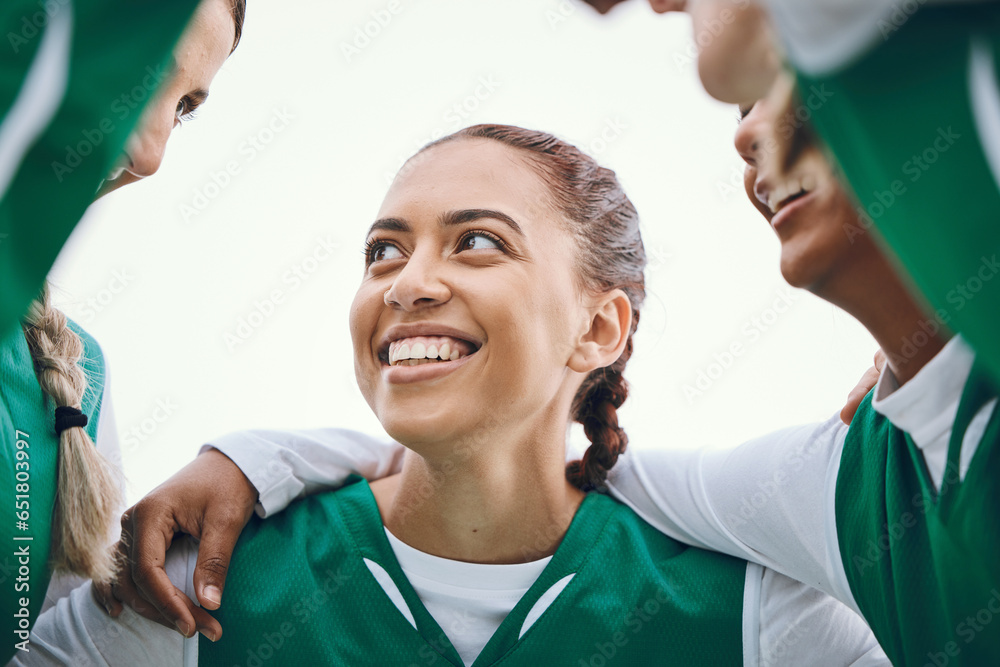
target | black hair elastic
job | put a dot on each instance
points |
(69, 418)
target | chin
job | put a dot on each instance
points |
(414, 427)
(802, 269)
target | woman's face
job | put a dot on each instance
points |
(801, 198)
(199, 54)
(470, 306)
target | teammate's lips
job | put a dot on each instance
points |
(785, 192)
(789, 209)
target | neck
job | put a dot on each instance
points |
(908, 336)
(507, 502)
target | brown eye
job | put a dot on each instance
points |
(187, 109)
(377, 251)
(479, 241)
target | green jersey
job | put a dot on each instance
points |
(28, 483)
(914, 123)
(924, 563)
(74, 78)
(300, 590)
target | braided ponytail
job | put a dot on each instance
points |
(605, 225)
(596, 407)
(87, 495)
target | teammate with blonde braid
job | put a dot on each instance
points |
(63, 492)
(49, 365)
(88, 493)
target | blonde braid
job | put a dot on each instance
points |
(88, 495)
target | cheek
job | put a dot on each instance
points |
(553, 321)
(844, 223)
(824, 242)
(363, 320)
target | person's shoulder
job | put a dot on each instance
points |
(351, 503)
(629, 530)
(95, 368)
(92, 360)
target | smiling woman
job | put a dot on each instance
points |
(521, 258)
(461, 240)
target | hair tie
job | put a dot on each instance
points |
(67, 417)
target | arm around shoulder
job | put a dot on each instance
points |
(768, 501)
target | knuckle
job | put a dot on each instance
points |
(142, 572)
(230, 516)
(214, 564)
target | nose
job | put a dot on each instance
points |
(419, 285)
(753, 141)
(750, 139)
(148, 141)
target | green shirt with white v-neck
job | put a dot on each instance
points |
(299, 592)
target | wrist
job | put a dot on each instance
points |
(222, 468)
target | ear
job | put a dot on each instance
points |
(605, 340)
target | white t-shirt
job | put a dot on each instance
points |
(468, 600)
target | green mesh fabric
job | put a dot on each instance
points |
(900, 124)
(298, 592)
(923, 564)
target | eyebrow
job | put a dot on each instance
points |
(449, 219)
(199, 96)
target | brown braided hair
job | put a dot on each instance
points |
(88, 495)
(605, 225)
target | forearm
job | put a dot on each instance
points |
(767, 501)
(285, 465)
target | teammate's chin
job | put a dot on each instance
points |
(816, 242)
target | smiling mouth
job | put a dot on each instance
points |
(421, 350)
(789, 192)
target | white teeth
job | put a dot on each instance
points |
(793, 187)
(778, 196)
(416, 350)
(808, 182)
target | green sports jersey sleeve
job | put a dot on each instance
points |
(74, 77)
(922, 562)
(914, 124)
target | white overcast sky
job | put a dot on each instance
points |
(175, 262)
